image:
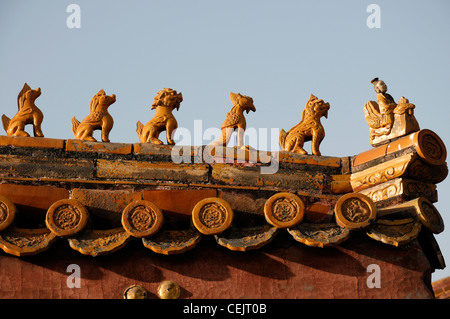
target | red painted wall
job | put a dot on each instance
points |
(282, 269)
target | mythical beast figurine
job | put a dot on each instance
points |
(98, 119)
(235, 120)
(309, 128)
(28, 113)
(387, 119)
(164, 102)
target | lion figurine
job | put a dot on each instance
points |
(28, 113)
(164, 102)
(235, 120)
(309, 128)
(98, 119)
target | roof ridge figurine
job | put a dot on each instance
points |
(235, 120)
(387, 119)
(309, 128)
(164, 102)
(98, 119)
(28, 113)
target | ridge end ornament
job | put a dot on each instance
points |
(386, 118)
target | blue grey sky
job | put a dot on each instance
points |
(278, 52)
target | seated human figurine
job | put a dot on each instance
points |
(98, 119)
(28, 113)
(164, 102)
(387, 119)
(235, 120)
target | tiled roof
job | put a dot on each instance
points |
(99, 195)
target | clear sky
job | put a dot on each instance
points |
(278, 52)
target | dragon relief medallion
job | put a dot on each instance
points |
(355, 210)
